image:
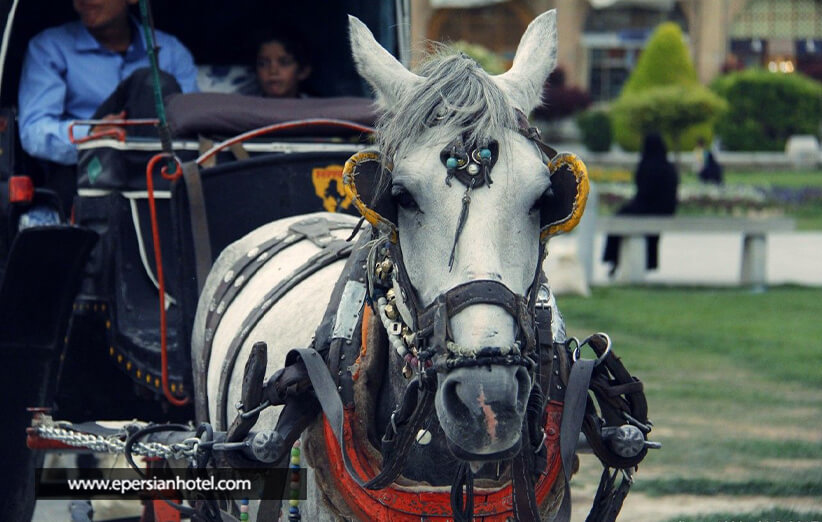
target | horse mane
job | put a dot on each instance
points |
(455, 93)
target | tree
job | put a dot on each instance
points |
(670, 111)
(663, 94)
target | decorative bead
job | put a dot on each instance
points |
(243, 516)
(294, 510)
(451, 163)
(473, 169)
(295, 467)
(296, 443)
(295, 461)
(294, 502)
(485, 153)
(243, 508)
(423, 437)
(295, 452)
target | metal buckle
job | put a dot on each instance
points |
(576, 352)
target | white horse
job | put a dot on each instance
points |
(458, 229)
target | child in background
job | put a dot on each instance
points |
(282, 64)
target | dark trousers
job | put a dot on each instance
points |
(135, 96)
(611, 253)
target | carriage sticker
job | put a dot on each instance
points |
(328, 185)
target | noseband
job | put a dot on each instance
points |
(424, 340)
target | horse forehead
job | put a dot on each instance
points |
(519, 161)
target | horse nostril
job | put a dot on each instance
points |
(452, 401)
(523, 387)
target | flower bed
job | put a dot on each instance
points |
(732, 200)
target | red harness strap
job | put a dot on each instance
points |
(398, 503)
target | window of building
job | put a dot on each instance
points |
(614, 38)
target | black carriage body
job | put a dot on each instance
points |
(79, 312)
(115, 318)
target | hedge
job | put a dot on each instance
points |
(766, 108)
(595, 127)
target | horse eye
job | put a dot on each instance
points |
(403, 198)
(541, 200)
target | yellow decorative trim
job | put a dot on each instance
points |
(580, 172)
(370, 215)
(128, 366)
(139, 373)
(119, 359)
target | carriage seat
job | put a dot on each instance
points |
(222, 114)
(237, 79)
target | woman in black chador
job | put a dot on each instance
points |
(656, 183)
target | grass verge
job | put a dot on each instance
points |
(733, 381)
(771, 515)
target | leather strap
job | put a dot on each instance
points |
(331, 404)
(333, 251)
(471, 293)
(199, 222)
(576, 400)
(522, 482)
(532, 133)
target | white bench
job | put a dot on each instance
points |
(634, 229)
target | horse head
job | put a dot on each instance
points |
(462, 199)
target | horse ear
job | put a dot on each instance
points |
(387, 76)
(536, 57)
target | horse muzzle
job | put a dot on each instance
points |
(481, 410)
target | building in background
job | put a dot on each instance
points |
(600, 40)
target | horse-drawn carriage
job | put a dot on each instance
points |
(166, 286)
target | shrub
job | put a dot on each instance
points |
(669, 110)
(560, 100)
(665, 62)
(766, 108)
(595, 127)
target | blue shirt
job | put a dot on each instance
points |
(67, 74)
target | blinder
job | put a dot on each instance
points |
(561, 207)
(367, 179)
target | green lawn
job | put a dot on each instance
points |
(734, 385)
(789, 178)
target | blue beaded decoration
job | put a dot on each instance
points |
(451, 163)
(485, 153)
(294, 468)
